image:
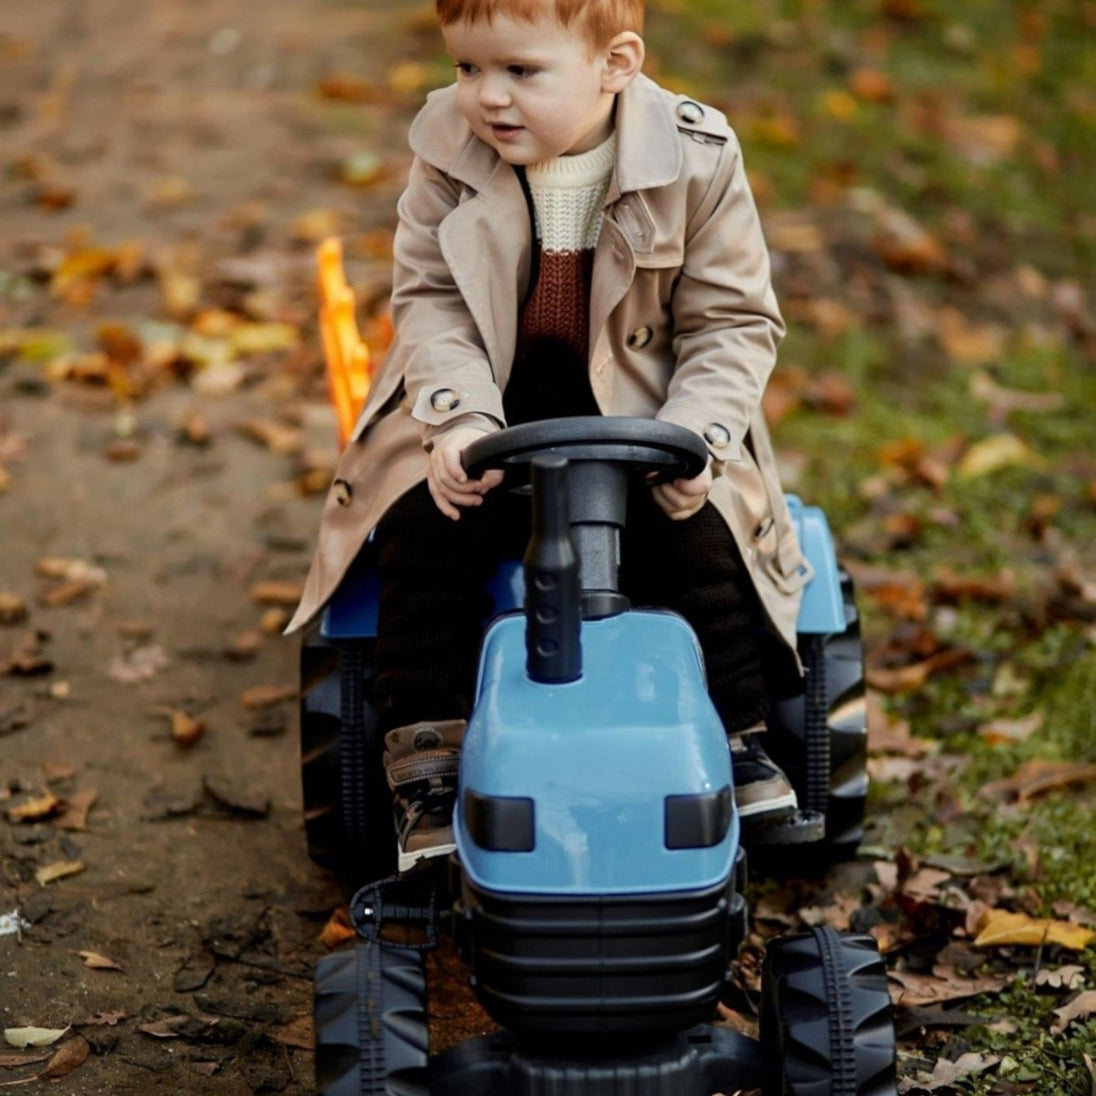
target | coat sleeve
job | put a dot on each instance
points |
(726, 322)
(445, 366)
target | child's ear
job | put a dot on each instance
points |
(623, 59)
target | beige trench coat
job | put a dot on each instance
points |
(683, 323)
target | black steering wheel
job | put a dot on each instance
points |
(668, 451)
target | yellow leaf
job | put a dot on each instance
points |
(1000, 928)
(58, 870)
(996, 452)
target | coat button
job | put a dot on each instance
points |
(444, 399)
(342, 492)
(427, 738)
(718, 437)
(639, 338)
(689, 112)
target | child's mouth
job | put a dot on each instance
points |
(505, 132)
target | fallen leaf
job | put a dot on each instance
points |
(33, 1036)
(1037, 777)
(25, 658)
(70, 1055)
(904, 679)
(266, 696)
(946, 1073)
(1003, 401)
(13, 609)
(185, 730)
(995, 453)
(968, 343)
(60, 869)
(1081, 1007)
(94, 961)
(140, 664)
(100, 1019)
(1001, 928)
(276, 436)
(14, 1061)
(1070, 976)
(931, 989)
(245, 646)
(273, 621)
(71, 570)
(999, 732)
(34, 809)
(74, 817)
(276, 593)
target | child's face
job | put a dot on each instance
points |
(532, 91)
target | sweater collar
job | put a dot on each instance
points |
(648, 146)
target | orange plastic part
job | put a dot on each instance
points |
(346, 355)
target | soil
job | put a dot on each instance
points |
(194, 129)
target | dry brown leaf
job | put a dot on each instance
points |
(1037, 777)
(277, 593)
(1001, 928)
(1001, 732)
(273, 621)
(944, 984)
(60, 869)
(34, 810)
(245, 646)
(266, 696)
(950, 586)
(871, 85)
(276, 436)
(140, 664)
(13, 609)
(66, 593)
(968, 343)
(14, 1061)
(1081, 1007)
(945, 1073)
(1006, 400)
(338, 929)
(94, 961)
(904, 679)
(69, 1056)
(74, 817)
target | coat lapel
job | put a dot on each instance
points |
(487, 239)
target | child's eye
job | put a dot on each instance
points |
(465, 68)
(522, 72)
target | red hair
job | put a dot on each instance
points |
(598, 21)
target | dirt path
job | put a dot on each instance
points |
(193, 129)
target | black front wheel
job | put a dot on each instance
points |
(827, 1026)
(369, 1010)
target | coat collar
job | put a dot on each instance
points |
(648, 146)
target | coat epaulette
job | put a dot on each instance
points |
(701, 123)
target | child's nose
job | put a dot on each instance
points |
(493, 92)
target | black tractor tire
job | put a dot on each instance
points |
(820, 738)
(369, 1009)
(347, 806)
(827, 1026)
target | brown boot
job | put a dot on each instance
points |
(421, 762)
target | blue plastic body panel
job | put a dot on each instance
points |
(352, 610)
(822, 611)
(597, 756)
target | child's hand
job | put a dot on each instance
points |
(449, 484)
(681, 498)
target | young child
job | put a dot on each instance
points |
(573, 240)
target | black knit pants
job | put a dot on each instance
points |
(434, 602)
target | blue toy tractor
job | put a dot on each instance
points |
(596, 892)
